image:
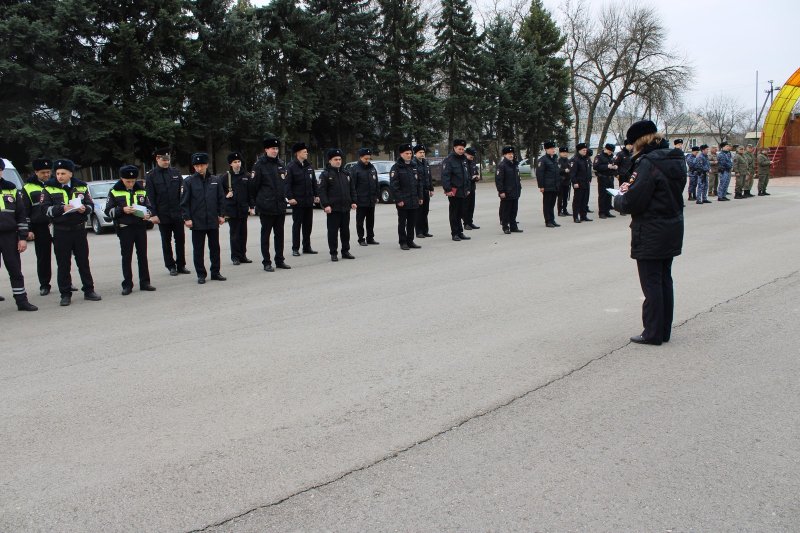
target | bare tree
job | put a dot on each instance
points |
(619, 53)
(723, 116)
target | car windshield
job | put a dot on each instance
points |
(383, 167)
(100, 190)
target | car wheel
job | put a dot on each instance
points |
(96, 227)
(386, 196)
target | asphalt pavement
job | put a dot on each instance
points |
(470, 386)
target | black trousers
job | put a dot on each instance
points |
(338, 225)
(469, 206)
(199, 237)
(586, 198)
(365, 214)
(43, 244)
(549, 204)
(131, 237)
(406, 222)
(456, 214)
(66, 243)
(655, 277)
(563, 195)
(272, 225)
(169, 230)
(580, 200)
(603, 198)
(508, 212)
(10, 254)
(302, 221)
(421, 217)
(238, 232)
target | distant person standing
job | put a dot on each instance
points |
(724, 164)
(456, 185)
(268, 190)
(475, 176)
(509, 188)
(713, 172)
(408, 193)
(750, 158)
(337, 196)
(580, 174)
(202, 206)
(426, 179)
(623, 162)
(701, 168)
(236, 185)
(764, 165)
(691, 159)
(365, 177)
(301, 193)
(605, 170)
(740, 169)
(13, 235)
(564, 186)
(654, 199)
(549, 180)
(39, 228)
(164, 185)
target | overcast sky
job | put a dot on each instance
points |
(727, 41)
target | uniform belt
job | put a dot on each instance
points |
(70, 227)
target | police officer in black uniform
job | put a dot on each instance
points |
(580, 174)
(129, 207)
(475, 176)
(236, 185)
(426, 178)
(623, 162)
(164, 185)
(548, 177)
(39, 226)
(605, 169)
(268, 190)
(13, 235)
(564, 186)
(365, 178)
(337, 196)
(509, 188)
(456, 185)
(202, 207)
(408, 193)
(67, 203)
(301, 191)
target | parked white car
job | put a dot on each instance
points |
(10, 174)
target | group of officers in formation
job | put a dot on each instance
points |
(53, 207)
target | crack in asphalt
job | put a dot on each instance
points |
(475, 416)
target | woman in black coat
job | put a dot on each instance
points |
(653, 198)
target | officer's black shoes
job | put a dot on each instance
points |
(723, 199)
(91, 296)
(173, 271)
(310, 251)
(44, 291)
(467, 227)
(422, 235)
(765, 193)
(456, 238)
(516, 230)
(147, 288)
(738, 196)
(586, 219)
(747, 194)
(183, 270)
(218, 277)
(245, 260)
(463, 237)
(550, 225)
(362, 242)
(334, 258)
(269, 268)
(405, 246)
(373, 241)
(66, 299)
(507, 231)
(347, 255)
(576, 220)
(638, 339)
(472, 225)
(283, 266)
(201, 281)
(236, 262)
(414, 245)
(611, 215)
(25, 305)
(295, 253)
(126, 291)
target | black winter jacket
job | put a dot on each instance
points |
(548, 173)
(202, 201)
(336, 190)
(455, 174)
(580, 170)
(601, 162)
(164, 190)
(13, 215)
(32, 198)
(119, 197)
(56, 196)
(405, 185)
(301, 185)
(623, 161)
(268, 186)
(424, 173)
(365, 180)
(563, 169)
(474, 174)
(507, 179)
(655, 202)
(239, 205)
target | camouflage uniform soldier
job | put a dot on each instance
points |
(713, 174)
(763, 172)
(750, 158)
(701, 168)
(740, 169)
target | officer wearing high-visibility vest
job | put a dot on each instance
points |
(129, 207)
(67, 203)
(39, 224)
(13, 232)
